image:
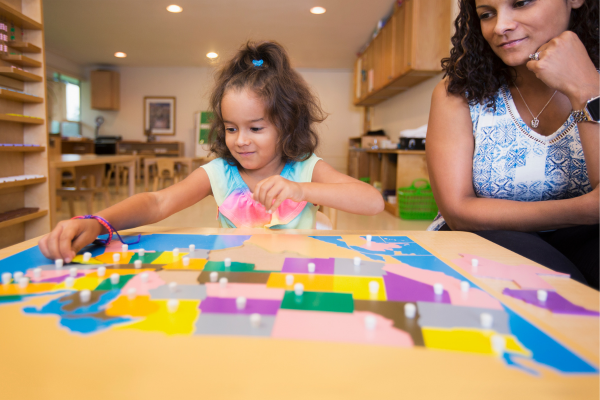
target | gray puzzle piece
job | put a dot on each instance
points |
(198, 253)
(345, 266)
(441, 315)
(233, 324)
(182, 292)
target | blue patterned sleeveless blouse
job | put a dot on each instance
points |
(512, 162)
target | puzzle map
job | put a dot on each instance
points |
(339, 297)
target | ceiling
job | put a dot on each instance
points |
(89, 32)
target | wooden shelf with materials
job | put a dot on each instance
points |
(22, 61)
(24, 47)
(17, 96)
(18, 18)
(20, 75)
(23, 218)
(25, 182)
(21, 119)
(22, 149)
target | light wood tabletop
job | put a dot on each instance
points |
(40, 360)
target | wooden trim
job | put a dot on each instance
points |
(19, 18)
(22, 149)
(22, 120)
(24, 47)
(20, 75)
(27, 182)
(392, 209)
(22, 97)
(392, 151)
(23, 61)
(24, 218)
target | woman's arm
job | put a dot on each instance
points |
(145, 208)
(328, 188)
(450, 147)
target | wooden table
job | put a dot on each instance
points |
(187, 161)
(41, 361)
(76, 160)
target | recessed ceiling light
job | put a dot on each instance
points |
(318, 10)
(212, 55)
(120, 54)
(174, 8)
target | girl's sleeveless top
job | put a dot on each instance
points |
(512, 162)
(237, 209)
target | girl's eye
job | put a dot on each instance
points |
(256, 129)
(521, 3)
(485, 15)
(230, 130)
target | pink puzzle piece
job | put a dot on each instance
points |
(247, 290)
(524, 276)
(338, 327)
(141, 288)
(474, 298)
(52, 274)
(380, 246)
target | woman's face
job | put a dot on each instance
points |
(517, 28)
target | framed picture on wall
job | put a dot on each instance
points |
(159, 115)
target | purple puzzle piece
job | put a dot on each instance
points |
(225, 305)
(324, 266)
(555, 302)
(61, 278)
(399, 288)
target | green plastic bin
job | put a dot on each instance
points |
(416, 201)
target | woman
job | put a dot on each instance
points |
(508, 158)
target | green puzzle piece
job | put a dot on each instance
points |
(107, 285)
(318, 301)
(235, 267)
(147, 258)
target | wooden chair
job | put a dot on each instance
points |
(165, 169)
(121, 173)
(95, 182)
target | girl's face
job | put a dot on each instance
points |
(249, 135)
(515, 29)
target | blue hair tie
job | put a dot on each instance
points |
(257, 63)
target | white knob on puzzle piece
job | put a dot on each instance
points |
(464, 286)
(144, 277)
(23, 282)
(255, 320)
(114, 279)
(542, 295)
(185, 261)
(438, 289)
(101, 271)
(173, 287)
(311, 267)
(498, 344)
(137, 264)
(85, 296)
(373, 287)
(124, 248)
(116, 257)
(369, 237)
(474, 262)
(370, 322)
(356, 261)
(228, 262)
(410, 310)
(299, 289)
(172, 305)
(487, 320)
(214, 276)
(223, 282)
(289, 280)
(69, 282)
(175, 253)
(87, 256)
(141, 252)
(131, 293)
(73, 272)
(6, 278)
(37, 273)
(240, 303)
(17, 276)
(192, 248)
(58, 263)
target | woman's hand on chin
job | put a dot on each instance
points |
(564, 65)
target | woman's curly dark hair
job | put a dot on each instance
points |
(289, 102)
(475, 72)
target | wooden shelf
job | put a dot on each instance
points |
(20, 75)
(22, 149)
(23, 218)
(392, 209)
(27, 182)
(23, 61)
(24, 47)
(18, 18)
(23, 120)
(15, 96)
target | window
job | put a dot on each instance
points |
(64, 105)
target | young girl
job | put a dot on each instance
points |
(266, 174)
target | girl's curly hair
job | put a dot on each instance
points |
(475, 72)
(289, 103)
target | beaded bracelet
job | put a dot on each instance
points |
(111, 230)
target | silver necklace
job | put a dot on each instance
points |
(535, 121)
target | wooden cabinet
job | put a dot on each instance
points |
(105, 90)
(407, 51)
(174, 149)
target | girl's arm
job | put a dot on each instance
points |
(145, 208)
(450, 146)
(328, 188)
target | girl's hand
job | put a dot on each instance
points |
(273, 191)
(69, 237)
(564, 65)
